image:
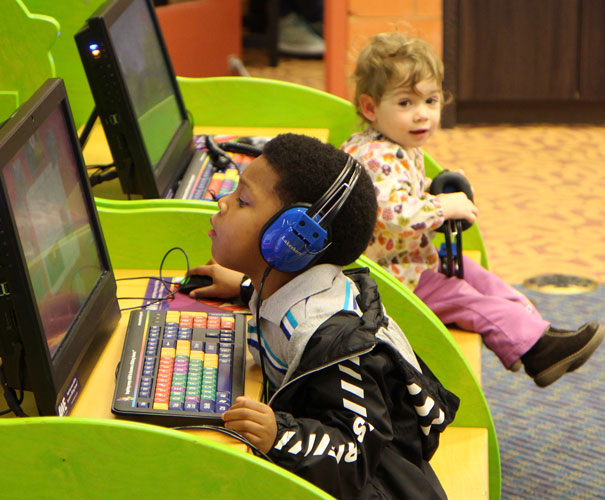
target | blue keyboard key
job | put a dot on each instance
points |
(211, 347)
(221, 408)
(192, 406)
(223, 401)
(223, 380)
(175, 405)
(207, 405)
(168, 342)
(143, 404)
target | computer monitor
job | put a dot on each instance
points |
(137, 96)
(57, 287)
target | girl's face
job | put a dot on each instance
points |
(404, 115)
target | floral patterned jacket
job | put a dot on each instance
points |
(407, 213)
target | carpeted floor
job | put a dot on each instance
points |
(552, 440)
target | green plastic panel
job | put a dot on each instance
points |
(59, 458)
(71, 16)
(260, 102)
(25, 59)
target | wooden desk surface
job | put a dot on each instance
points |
(99, 368)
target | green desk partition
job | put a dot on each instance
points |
(25, 59)
(71, 16)
(59, 458)
(260, 102)
(127, 227)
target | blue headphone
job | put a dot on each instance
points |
(298, 234)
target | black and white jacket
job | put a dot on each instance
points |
(357, 414)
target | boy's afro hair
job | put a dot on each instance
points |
(307, 167)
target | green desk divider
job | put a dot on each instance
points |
(25, 59)
(71, 16)
(260, 102)
(58, 458)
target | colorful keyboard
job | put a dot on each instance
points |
(180, 368)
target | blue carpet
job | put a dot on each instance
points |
(552, 440)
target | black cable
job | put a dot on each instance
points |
(143, 278)
(265, 393)
(102, 176)
(101, 167)
(164, 259)
(88, 127)
(460, 265)
(241, 148)
(228, 432)
(219, 158)
(13, 402)
(171, 293)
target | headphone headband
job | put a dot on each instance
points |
(327, 207)
(297, 235)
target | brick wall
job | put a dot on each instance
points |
(421, 18)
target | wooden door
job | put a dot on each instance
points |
(518, 49)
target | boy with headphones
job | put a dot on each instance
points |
(349, 406)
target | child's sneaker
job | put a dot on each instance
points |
(295, 37)
(561, 351)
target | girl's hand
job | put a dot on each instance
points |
(225, 282)
(458, 206)
(253, 420)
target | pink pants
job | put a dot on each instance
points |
(481, 302)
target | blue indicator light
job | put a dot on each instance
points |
(93, 46)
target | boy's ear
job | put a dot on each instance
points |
(367, 107)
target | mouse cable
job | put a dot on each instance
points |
(164, 260)
(164, 282)
(144, 278)
(228, 432)
(143, 306)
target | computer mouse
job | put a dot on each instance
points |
(194, 281)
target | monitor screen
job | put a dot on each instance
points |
(56, 270)
(147, 78)
(136, 96)
(53, 226)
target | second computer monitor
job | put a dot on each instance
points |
(136, 96)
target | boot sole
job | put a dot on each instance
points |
(571, 363)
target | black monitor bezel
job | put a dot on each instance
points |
(26, 359)
(114, 107)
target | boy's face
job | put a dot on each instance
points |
(406, 116)
(242, 214)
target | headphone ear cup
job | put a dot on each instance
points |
(290, 241)
(451, 182)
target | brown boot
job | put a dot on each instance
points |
(560, 351)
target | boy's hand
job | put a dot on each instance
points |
(458, 206)
(253, 420)
(225, 282)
